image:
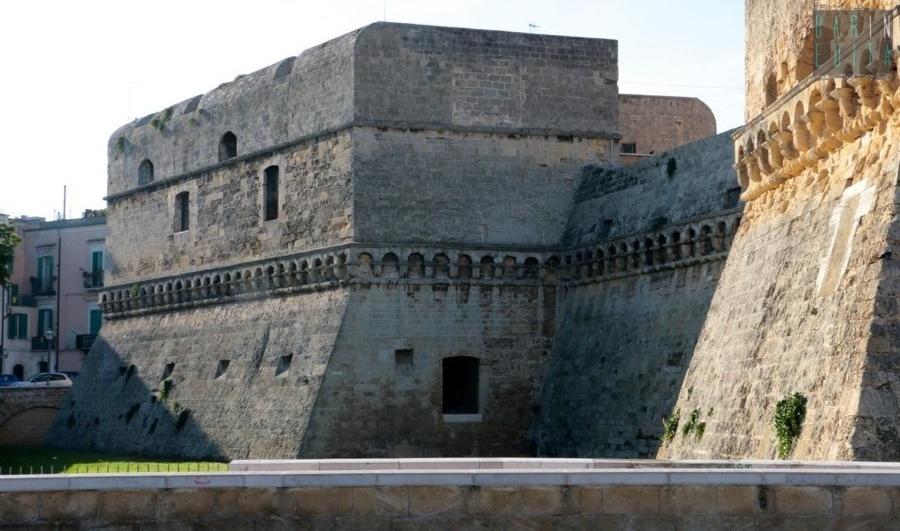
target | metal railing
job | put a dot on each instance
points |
(110, 468)
(84, 341)
(42, 287)
(93, 279)
(40, 343)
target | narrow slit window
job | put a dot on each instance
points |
(182, 212)
(222, 368)
(284, 365)
(271, 193)
(168, 370)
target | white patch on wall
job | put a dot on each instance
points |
(856, 202)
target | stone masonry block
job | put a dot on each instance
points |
(688, 500)
(186, 504)
(803, 500)
(19, 507)
(631, 500)
(69, 506)
(857, 501)
(128, 506)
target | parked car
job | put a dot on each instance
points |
(7, 380)
(46, 379)
(71, 374)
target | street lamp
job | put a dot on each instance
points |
(49, 336)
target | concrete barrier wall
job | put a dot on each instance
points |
(659, 497)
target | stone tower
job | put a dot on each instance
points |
(807, 302)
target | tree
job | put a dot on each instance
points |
(8, 241)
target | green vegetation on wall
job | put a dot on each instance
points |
(790, 412)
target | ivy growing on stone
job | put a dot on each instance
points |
(691, 423)
(160, 120)
(670, 426)
(790, 412)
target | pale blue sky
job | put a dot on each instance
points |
(73, 71)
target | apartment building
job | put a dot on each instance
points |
(50, 310)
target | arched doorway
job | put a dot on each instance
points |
(19, 371)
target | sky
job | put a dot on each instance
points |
(74, 71)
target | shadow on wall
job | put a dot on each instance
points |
(619, 362)
(138, 414)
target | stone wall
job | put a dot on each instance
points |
(795, 312)
(27, 413)
(659, 123)
(655, 244)
(473, 188)
(296, 98)
(805, 303)
(465, 78)
(692, 181)
(243, 378)
(341, 323)
(372, 404)
(226, 213)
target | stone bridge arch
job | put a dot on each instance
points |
(26, 414)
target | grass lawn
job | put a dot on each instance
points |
(15, 460)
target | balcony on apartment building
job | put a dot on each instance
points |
(41, 343)
(93, 279)
(43, 286)
(83, 342)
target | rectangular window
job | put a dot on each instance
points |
(271, 193)
(403, 361)
(45, 321)
(96, 279)
(182, 212)
(14, 294)
(45, 274)
(17, 326)
(460, 381)
(629, 148)
(96, 319)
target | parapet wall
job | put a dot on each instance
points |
(692, 181)
(530, 494)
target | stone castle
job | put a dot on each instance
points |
(420, 241)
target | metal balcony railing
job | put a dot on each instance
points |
(84, 342)
(40, 343)
(43, 286)
(93, 279)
